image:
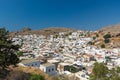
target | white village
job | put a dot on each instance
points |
(69, 54)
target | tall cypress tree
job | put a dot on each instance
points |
(7, 50)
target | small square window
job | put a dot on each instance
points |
(49, 70)
(52, 69)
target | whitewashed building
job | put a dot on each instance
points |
(31, 63)
(49, 68)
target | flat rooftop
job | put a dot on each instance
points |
(47, 64)
(28, 61)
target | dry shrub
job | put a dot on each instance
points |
(18, 75)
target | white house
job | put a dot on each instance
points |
(49, 68)
(31, 62)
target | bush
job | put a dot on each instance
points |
(37, 77)
(94, 38)
(107, 36)
(18, 75)
(106, 40)
(91, 43)
(102, 46)
(97, 35)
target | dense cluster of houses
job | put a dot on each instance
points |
(64, 54)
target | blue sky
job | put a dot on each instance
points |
(78, 14)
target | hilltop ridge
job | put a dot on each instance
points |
(45, 32)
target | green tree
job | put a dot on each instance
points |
(114, 74)
(108, 59)
(19, 53)
(118, 69)
(7, 50)
(99, 72)
(36, 77)
(73, 69)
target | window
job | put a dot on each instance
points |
(49, 70)
(52, 69)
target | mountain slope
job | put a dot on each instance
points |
(115, 35)
(112, 29)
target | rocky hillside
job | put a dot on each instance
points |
(31, 70)
(46, 32)
(112, 29)
(24, 73)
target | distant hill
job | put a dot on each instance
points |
(45, 32)
(112, 29)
